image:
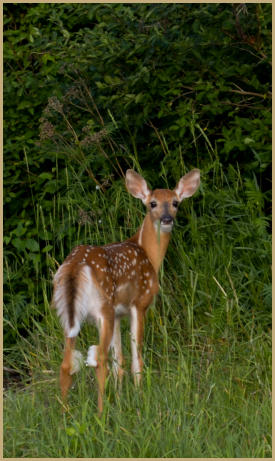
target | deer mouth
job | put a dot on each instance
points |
(166, 224)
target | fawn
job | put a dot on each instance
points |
(104, 283)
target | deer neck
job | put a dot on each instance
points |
(153, 241)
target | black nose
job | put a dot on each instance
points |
(166, 219)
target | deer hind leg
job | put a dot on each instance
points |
(72, 362)
(117, 354)
(137, 328)
(66, 368)
(106, 334)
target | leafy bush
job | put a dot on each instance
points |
(90, 90)
(160, 88)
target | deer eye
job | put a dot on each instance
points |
(153, 204)
(175, 204)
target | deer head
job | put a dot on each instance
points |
(162, 204)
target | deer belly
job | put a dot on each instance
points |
(124, 296)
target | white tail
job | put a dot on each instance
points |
(105, 283)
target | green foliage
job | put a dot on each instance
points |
(113, 86)
(203, 404)
(89, 91)
(205, 351)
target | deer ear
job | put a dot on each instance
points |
(137, 186)
(188, 184)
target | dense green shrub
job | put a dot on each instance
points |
(90, 90)
(161, 87)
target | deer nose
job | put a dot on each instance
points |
(167, 219)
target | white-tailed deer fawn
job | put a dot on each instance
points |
(104, 283)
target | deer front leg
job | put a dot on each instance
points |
(137, 328)
(117, 354)
(106, 334)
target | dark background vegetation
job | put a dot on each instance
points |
(111, 86)
(89, 91)
(107, 84)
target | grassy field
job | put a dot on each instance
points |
(207, 379)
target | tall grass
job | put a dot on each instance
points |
(207, 379)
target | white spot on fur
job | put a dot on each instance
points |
(92, 357)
